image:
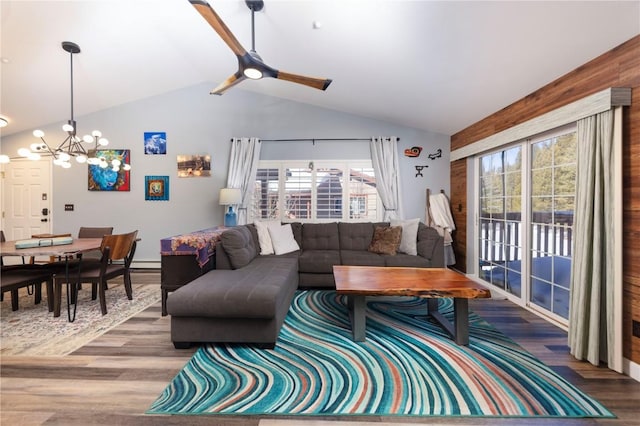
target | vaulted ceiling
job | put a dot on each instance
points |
(433, 65)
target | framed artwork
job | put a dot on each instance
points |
(194, 165)
(156, 188)
(155, 143)
(110, 176)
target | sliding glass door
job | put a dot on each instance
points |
(526, 202)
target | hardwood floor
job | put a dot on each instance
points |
(115, 378)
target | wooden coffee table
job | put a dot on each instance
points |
(358, 282)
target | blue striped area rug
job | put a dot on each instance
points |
(406, 367)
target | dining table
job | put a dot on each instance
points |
(64, 252)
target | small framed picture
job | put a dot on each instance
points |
(155, 143)
(156, 188)
(194, 165)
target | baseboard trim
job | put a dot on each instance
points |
(145, 264)
(631, 369)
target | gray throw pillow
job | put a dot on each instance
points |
(239, 245)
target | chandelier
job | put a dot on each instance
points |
(72, 146)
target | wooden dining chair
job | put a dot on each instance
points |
(94, 232)
(13, 279)
(25, 274)
(117, 254)
(29, 260)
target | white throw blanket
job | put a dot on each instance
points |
(443, 221)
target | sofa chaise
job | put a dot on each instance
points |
(246, 298)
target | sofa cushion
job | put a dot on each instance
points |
(355, 236)
(386, 240)
(296, 227)
(361, 258)
(428, 239)
(254, 291)
(406, 260)
(320, 236)
(408, 242)
(318, 261)
(282, 239)
(239, 245)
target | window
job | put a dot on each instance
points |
(317, 191)
(526, 203)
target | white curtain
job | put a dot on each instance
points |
(594, 315)
(243, 166)
(384, 156)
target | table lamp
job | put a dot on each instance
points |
(229, 197)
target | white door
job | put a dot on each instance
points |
(26, 199)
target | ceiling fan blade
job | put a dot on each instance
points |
(316, 83)
(228, 83)
(219, 26)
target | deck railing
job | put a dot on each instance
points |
(501, 237)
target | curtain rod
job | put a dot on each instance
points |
(314, 140)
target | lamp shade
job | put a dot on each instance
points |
(230, 196)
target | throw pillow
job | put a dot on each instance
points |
(408, 243)
(239, 245)
(282, 239)
(386, 239)
(264, 239)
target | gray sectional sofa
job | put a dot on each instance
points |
(246, 298)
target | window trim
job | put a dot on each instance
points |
(526, 144)
(314, 165)
(598, 102)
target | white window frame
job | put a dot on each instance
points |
(344, 165)
(526, 144)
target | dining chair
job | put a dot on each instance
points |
(117, 254)
(3, 239)
(25, 274)
(85, 232)
(13, 279)
(94, 232)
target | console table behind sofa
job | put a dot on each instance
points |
(185, 257)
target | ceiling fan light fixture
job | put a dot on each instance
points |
(252, 73)
(250, 64)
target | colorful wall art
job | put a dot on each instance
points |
(156, 188)
(109, 174)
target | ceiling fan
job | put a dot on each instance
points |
(250, 64)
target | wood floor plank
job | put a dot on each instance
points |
(115, 378)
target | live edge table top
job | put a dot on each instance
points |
(399, 281)
(358, 282)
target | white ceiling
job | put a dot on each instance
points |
(433, 65)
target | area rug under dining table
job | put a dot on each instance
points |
(408, 366)
(33, 331)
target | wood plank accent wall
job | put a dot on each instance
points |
(619, 67)
(458, 200)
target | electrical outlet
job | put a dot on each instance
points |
(68, 207)
(636, 328)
